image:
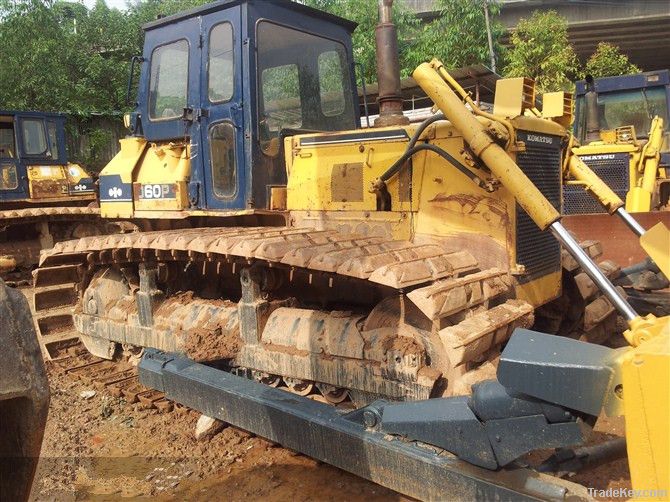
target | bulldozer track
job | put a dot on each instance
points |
(443, 286)
(392, 263)
(31, 215)
(113, 378)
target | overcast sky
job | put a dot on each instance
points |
(119, 4)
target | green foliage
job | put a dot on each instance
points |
(608, 61)
(364, 12)
(540, 49)
(60, 56)
(458, 35)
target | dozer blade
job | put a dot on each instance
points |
(656, 242)
(345, 440)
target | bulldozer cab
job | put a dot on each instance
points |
(27, 139)
(627, 100)
(232, 79)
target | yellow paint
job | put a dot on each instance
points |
(656, 242)
(312, 167)
(513, 96)
(646, 391)
(430, 78)
(123, 164)
(163, 164)
(644, 162)
(558, 107)
(537, 292)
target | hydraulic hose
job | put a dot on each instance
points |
(391, 171)
(422, 127)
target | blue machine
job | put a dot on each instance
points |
(648, 91)
(33, 159)
(235, 77)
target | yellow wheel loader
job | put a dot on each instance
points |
(366, 267)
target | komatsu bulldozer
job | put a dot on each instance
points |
(301, 252)
(389, 261)
(621, 132)
(43, 197)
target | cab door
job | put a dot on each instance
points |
(170, 91)
(13, 182)
(221, 121)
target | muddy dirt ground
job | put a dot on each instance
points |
(102, 448)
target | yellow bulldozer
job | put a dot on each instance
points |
(385, 267)
(621, 132)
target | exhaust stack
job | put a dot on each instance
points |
(388, 69)
(592, 117)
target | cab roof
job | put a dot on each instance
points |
(224, 4)
(31, 113)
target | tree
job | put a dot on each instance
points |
(608, 61)
(540, 49)
(458, 35)
(364, 12)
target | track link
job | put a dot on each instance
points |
(114, 378)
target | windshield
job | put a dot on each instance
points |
(635, 107)
(304, 84)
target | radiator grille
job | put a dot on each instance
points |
(612, 169)
(539, 252)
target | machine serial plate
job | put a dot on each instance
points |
(157, 191)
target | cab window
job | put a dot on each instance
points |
(53, 139)
(330, 83)
(8, 177)
(7, 146)
(222, 155)
(34, 137)
(304, 83)
(168, 83)
(221, 63)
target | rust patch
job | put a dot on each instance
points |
(48, 188)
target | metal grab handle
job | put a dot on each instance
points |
(133, 60)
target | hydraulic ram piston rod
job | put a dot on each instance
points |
(630, 222)
(593, 271)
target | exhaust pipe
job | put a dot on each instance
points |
(592, 116)
(388, 69)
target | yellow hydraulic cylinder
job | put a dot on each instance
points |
(639, 197)
(428, 76)
(593, 184)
